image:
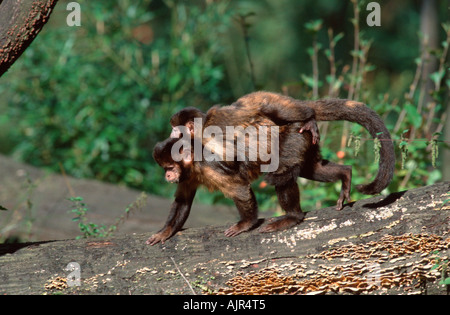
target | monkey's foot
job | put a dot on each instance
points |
(282, 223)
(241, 226)
(158, 237)
(311, 126)
(340, 204)
(345, 195)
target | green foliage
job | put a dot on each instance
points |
(442, 265)
(88, 229)
(403, 145)
(97, 98)
(314, 26)
(357, 143)
(434, 148)
(93, 230)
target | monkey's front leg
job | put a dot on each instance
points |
(245, 201)
(178, 215)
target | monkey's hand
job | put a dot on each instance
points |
(311, 126)
(158, 237)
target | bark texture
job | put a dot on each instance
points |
(20, 22)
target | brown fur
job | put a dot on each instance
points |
(284, 109)
(298, 157)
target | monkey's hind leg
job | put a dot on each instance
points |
(289, 198)
(326, 171)
(245, 202)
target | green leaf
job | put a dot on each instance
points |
(369, 68)
(446, 281)
(174, 81)
(308, 80)
(3, 208)
(329, 79)
(357, 53)
(446, 27)
(437, 76)
(413, 115)
(314, 26)
(338, 37)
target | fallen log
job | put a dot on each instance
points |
(395, 244)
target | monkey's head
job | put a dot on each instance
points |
(175, 157)
(185, 119)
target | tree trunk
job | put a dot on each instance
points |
(20, 22)
(377, 245)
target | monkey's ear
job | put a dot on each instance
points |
(190, 127)
(181, 150)
(182, 131)
(186, 156)
(176, 133)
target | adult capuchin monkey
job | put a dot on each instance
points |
(298, 156)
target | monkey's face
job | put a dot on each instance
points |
(173, 173)
(178, 168)
(177, 172)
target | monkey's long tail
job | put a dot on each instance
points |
(341, 109)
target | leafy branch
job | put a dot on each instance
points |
(90, 229)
